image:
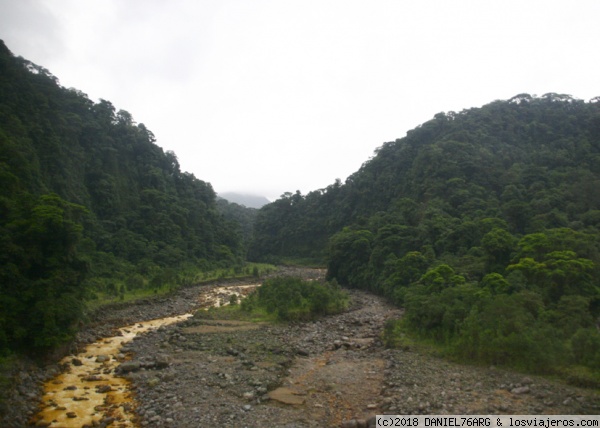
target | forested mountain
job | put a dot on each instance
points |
(240, 215)
(89, 204)
(483, 224)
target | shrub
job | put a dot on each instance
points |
(292, 299)
(585, 347)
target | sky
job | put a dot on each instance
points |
(273, 96)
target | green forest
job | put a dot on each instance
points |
(91, 208)
(484, 225)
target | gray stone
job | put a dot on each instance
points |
(527, 381)
(520, 390)
(129, 366)
(302, 352)
(162, 361)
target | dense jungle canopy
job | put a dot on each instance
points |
(483, 224)
(89, 203)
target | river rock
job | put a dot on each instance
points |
(520, 390)
(129, 366)
(302, 352)
(93, 378)
(162, 361)
(153, 382)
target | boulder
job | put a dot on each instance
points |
(129, 366)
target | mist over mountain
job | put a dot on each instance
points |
(248, 200)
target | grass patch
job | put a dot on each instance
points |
(396, 335)
(138, 287)
(309, 262)
(581, 376)
(234, 313)
(102, 299)
(249, 270)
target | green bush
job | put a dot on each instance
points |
(293, 299)
(585, 347)
(507, 330)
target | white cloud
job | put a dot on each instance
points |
(271, 96)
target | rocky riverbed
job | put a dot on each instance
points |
(21, 398)
(328, 373)
(209, 371)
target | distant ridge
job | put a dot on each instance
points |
(250, 201)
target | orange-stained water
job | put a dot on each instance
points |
(79, 395)
(74, 398)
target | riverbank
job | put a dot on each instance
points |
(25, 377)
(210, 371)
(328, 373)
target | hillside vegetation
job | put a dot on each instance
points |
(483, 224)
(90, 207)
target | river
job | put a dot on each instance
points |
(88, 392)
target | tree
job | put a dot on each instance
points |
(440, 277)
(47, 291)
(349, 254)
(498, 245)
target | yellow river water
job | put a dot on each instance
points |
(88, 393)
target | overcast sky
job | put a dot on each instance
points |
(270, 96)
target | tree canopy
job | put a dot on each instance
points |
(489, 214)
(89, 203)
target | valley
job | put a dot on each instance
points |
(331, 372)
